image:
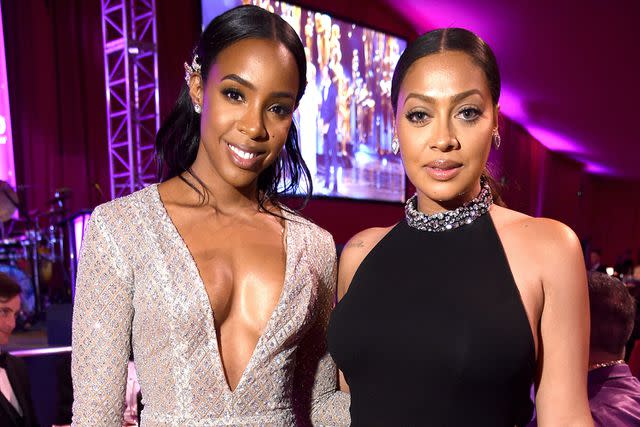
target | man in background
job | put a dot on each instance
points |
(16, 406)
(595, 261)
(614, 393)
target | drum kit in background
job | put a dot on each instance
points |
(38, 250)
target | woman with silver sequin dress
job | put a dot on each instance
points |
(448, 317)
(222, 293)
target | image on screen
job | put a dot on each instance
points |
(345, 119)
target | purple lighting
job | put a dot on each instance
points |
(597, 169)
(40, 351)
(79, 227)
(511, 105)
(439, 14)
(554, 141)
(557, 142)
(7, 171)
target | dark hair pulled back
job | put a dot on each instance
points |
(452, 39)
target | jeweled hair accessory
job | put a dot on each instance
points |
(448, 220)
(190, 70)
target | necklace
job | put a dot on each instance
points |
(605, 364)
(448, 220)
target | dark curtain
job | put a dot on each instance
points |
(179, 26)
(56, 89)
(55, 68)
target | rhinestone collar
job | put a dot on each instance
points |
(448, 220)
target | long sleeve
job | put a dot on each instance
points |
(317, 370)
(102, 321)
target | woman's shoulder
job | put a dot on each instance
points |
(549, 234)
(355, 251)
(300, 225)
(365, 240)
(123, 210)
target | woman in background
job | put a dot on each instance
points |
(222, 292)
(448, 317)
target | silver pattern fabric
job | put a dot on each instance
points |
(139, 289)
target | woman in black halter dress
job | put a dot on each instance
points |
(448, 317)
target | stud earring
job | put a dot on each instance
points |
(395, 144)
(496, 138)
(197, 108)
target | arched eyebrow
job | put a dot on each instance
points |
(454, 98)
(236, 78)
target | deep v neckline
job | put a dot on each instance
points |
(203, 295)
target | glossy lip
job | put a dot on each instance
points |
(443, 169)
(247, 164)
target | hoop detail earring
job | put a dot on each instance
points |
(496, 138)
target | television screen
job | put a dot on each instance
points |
(345, 117)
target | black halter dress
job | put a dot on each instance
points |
(433, 332)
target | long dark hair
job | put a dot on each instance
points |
(179, 136)
(452, 39)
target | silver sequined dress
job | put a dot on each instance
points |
(139, 288)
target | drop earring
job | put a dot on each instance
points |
(197, 108)
(496, 138)
(395, 144)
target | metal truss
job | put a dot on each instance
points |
(131, 82)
